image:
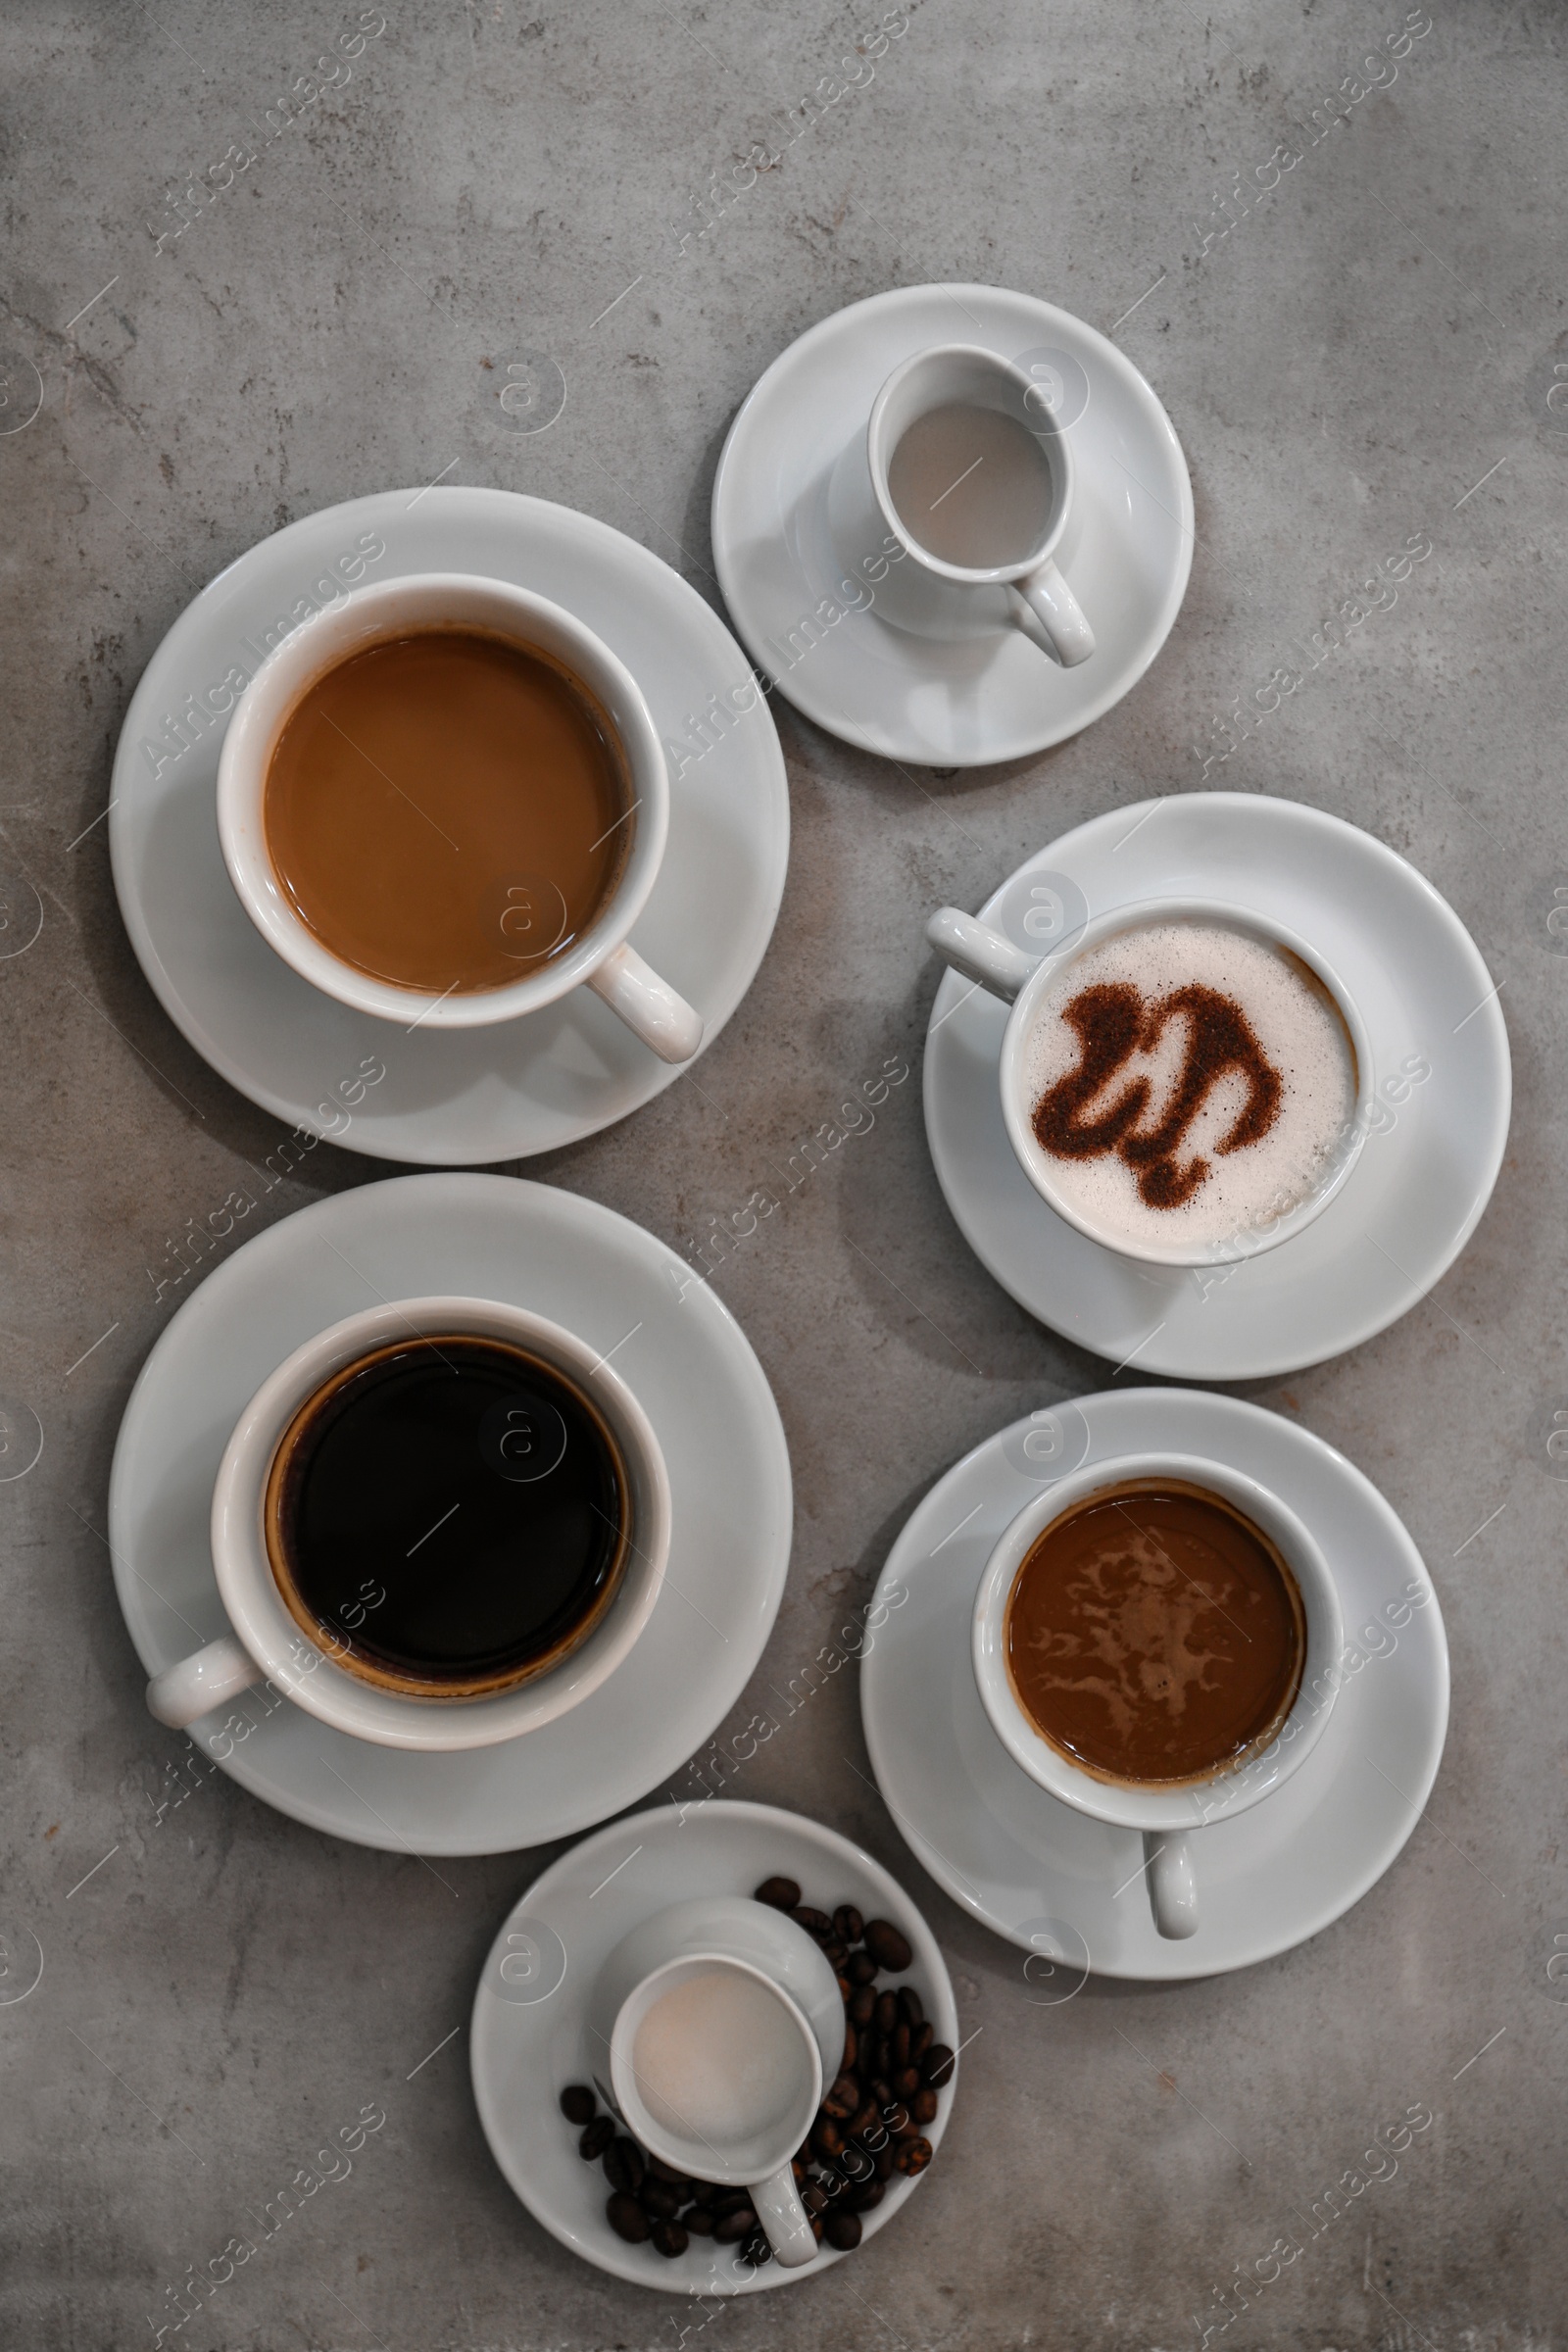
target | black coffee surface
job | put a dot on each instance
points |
(451, 1510)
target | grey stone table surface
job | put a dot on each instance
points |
(1357, 345)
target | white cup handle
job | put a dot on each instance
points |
(1172, 1888)
(1046, 595)
(783, 2217)
(648, 1005)
(220, 1671)
(979, 952)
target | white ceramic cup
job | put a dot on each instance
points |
(602, 958)
(267, 1643)
(719, 1935)
(1169, 1818)
(921, 591)
(985, 956)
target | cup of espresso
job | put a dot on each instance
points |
(711, 2029)
(1156, 1642)
(439, 1523)
(964, 478)
(444, 802)
(1188, 1082)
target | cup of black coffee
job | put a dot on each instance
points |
(439, 1524)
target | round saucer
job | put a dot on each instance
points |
(528, 2035)
(1127, 554)
(1069, 1889)
(1425, 1174)
(691, 1370)
(475, 1095)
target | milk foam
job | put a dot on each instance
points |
(717, 2059)
(1301, 1035)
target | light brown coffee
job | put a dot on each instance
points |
(1154, 1636)
(448, 812)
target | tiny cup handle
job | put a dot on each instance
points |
(220, 1672)
(1046, 596)
(979, 952)
(648, 1005)
(1172, 1887)
(778, 2206)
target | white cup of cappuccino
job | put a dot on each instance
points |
(1276, 1127)
(965, 477)
(711, 2029)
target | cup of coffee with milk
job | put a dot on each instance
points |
(959, 491)
(444, 802)
(1187, 1083)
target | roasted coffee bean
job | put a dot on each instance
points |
(887, 2013)
(937, 2064)
(843, 1985)
(827, 2137)
(666, 2172)
(814, 2197)
(864, 2196)
(816, 1923)
(843, 2232)
(816, 2226)
(923, 2107)
(860, 1968)
(705, 2193)
(888, 1946)
(909, 2006)
(756, 2250)
(726, 2200)
(659, 2200)
(782, 1894)
(920, 2040)
(911, 2156)
(862, 2006)
(882, 2161)
(698, 2220)
(843, 2099)
(847, 1922)
(579, 2104)
(627, 2218)
(882, 2092)
(670, 2240)
(852, 2045)
(864, 2119)
(906, 2082)
(901, 2044)
(597, 2139)
(834, 1953)
(624, 2166)
(731, 2228)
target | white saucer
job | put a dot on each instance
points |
(1127, 554)
(528, 2033)
(1071, 1888)
(476, 1095)
(675, 1345)
(1423, 1178)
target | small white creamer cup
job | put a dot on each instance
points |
(992, 960)
(1169, 1818)
(710, 1934)
(602, 958)
(267, 1643)
(922, 592)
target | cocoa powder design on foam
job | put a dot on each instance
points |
(1114, 1020)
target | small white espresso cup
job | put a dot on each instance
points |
(602, 958)
(921, 591)
(796, 1997)
(986, 956)
(1169, 1818)
(267, 1643)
